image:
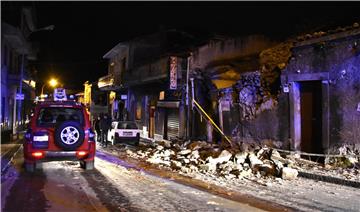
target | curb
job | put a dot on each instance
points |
(12, 152)
(148, 140)
(8, 163)
(329, 179)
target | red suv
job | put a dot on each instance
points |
(59, 130)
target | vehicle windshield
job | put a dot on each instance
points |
(127, 125)
(50, 116)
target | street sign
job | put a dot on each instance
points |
(59, 94)
(173, 73)
(20, 96)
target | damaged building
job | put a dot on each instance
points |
(227, 85)
(299, 94)
(321, 84)
(146, 82)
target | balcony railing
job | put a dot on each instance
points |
(106, 81)
(147, 73)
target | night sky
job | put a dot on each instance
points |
(85, 31)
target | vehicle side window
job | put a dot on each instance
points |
(46, 117)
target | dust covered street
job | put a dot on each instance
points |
(64, 186)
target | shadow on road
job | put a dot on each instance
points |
(107, 193)
(27, 193)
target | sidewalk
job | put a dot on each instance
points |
(9, 150)
(329, 179)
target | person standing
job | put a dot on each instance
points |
(97, 128)
(105, 124)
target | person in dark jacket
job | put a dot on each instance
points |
(97, 128)
(105, 124)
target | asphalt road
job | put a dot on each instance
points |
(64, 186)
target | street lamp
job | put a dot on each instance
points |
(47, 28)
(53, 82)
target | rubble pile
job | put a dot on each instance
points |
(206, 158)
(349, 157)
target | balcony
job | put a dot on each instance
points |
(151, 72)
(106, 83)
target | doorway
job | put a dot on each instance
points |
(311, 116)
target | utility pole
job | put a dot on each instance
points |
(20, 87)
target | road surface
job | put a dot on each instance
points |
(64, 186)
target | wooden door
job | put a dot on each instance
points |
(311, 116)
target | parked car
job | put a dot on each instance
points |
(124, 131)
(59, 130)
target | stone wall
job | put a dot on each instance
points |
(249, 119)
(341, 60)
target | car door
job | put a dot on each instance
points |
(111, 132)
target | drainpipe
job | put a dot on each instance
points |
(192, 93)
(14, 113)
(187, 100)
(192, 105)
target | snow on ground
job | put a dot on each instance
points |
(151, 193)
(111, 186)
(302, 194)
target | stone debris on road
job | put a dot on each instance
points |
(245, 161)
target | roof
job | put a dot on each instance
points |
(333, 34)
(115, 50)
(59, 103)
(184, 43)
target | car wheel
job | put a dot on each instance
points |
(69, 135)
(137, 141)
(29, 167)
(38, 165)
(116, 138)
(87, 165)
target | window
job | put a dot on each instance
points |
(49, 117)
(111, 68)
(5, 55)
(127, 125)
(123, 64)
(138, 110)
(19, 63)
(162, 95)
(11, 68)
(2, 109)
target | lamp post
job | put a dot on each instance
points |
(53, 82)
(47, 28)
